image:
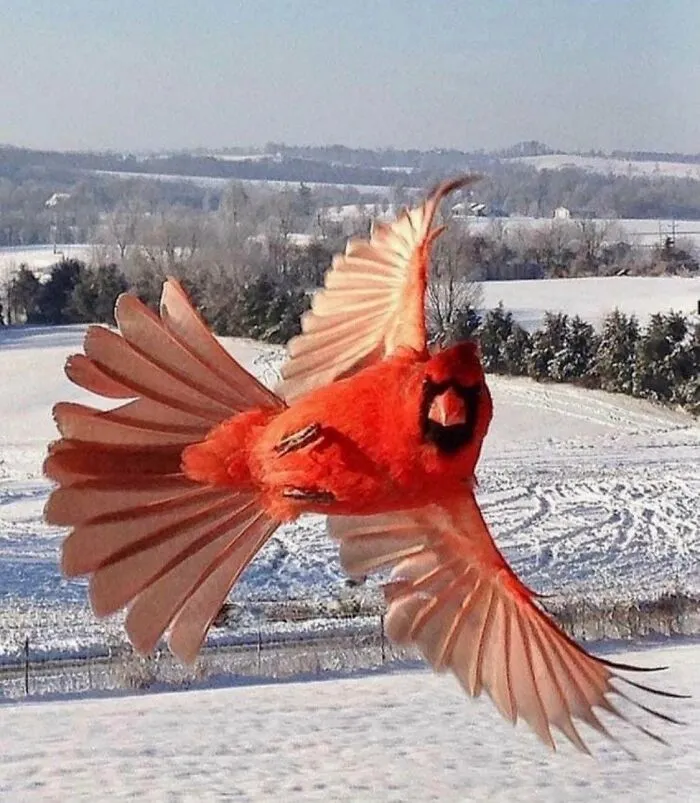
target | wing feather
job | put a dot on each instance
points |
(452, 594)
(379, 284)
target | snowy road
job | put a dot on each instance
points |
(407, 736)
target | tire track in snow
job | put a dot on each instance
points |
(619, 531)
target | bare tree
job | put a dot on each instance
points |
(592, 236)
(121, 228)
(452, 290)
(551, 246)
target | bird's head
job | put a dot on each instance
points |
(456, 406)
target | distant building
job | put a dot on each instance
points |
(562, 213)
(476, 209)
(56, 198)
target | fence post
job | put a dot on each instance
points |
(259, 652)
(382, 638)
(26, 665)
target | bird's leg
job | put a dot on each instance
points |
(299, 439)
(309, 495)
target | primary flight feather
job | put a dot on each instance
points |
(171, 493)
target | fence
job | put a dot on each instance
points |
(358, 643)
(294, 643)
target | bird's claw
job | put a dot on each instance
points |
(309, 495)
(299, 439)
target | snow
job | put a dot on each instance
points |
(398, 736)
(594, 297)
(40, 257)
(608, 165)
(587, 493)
(242, 157)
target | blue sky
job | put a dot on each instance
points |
(576, 74)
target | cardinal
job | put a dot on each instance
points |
(172, 492)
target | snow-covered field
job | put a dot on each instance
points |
(608, 165)
(644, 232)
(594, 297)
(587, 493)
(402, 736)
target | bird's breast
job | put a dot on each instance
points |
(352, 447)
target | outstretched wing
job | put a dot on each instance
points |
(372, 303)
(149, 537)
(452, 594)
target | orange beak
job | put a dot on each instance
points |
(447, 409)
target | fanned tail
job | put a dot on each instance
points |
(150, 537)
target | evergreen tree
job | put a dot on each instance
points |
(689, 390)
(55, 295)
(264, 308)
(663, 362)
(468, 322)
(464, 326)
(516, 351)
(575, 359)
(613, 363)
(505, 345)
(23, 297)
(95, 294)
(548, 343)
(495, 330)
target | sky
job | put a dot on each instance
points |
(153, 75)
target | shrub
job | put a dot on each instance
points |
(264, 308)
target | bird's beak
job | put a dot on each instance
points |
(448, 409)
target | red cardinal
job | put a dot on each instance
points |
(172, 493)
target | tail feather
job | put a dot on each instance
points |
(180, 318)
(142, 330)
(117, 358)
(158, 604)
(70, 462)
(84, 372)
(94, 542)
(198, 612)
(145, 413)
(151, 538)
(82, 423)
(86, 501)
(123, 575)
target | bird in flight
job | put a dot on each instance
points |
(172, 492)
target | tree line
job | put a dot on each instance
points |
(265, 306)
(29, 180)
(659, 362)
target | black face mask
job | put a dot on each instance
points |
(449, 439)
